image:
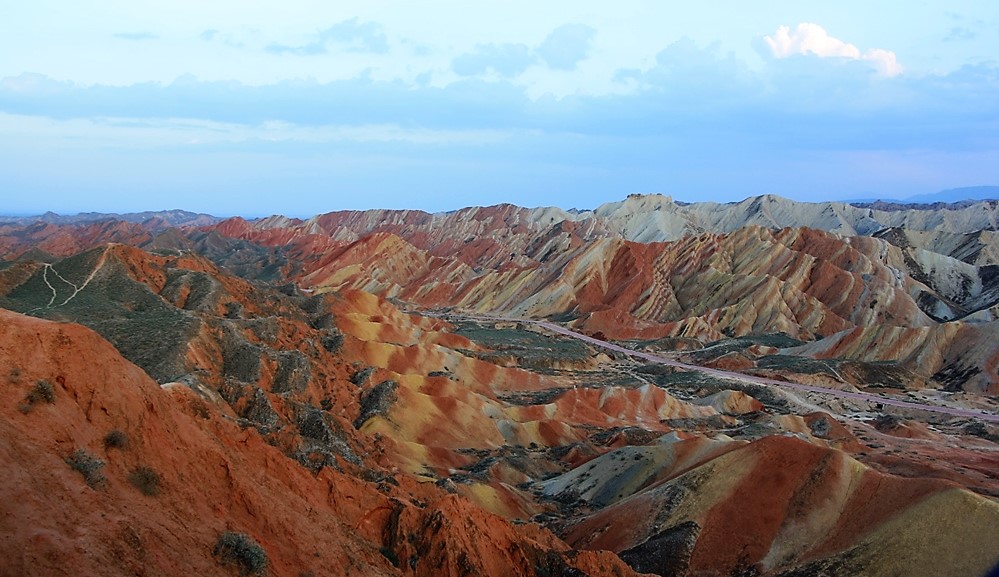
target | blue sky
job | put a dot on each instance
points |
(302, 107)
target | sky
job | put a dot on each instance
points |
(303, 107)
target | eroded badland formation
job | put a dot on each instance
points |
(370, 393)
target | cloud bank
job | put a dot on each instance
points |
(350, 36)
(567, 46)
(505, 59)
(811, 39)
(563, 49)
(818, 118)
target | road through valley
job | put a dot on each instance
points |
(718, 373)
(722, 374)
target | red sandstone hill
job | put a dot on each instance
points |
(281, 390)
(340, 415)
(95, 517)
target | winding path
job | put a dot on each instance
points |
(76, 289)
(717, 373)
(658, 359)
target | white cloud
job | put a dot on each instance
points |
(139, 133)
(808, 38)
(884, 60)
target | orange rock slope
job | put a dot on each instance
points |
(213, 476)
(345, 436)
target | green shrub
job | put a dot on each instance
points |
(146, 480)
(41, 392)
(241, 550)
(116, 439)
(87, 465)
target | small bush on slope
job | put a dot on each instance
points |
(116, 439)
(240, 549)
(41, 392)
(88, 466)
(146, 480)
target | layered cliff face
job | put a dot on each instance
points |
(499, 230)
(47, 240)
(639, 218)
(804, 283)
(363, 394)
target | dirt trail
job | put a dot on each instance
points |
(718, 373)
(76, 289)
(721, 374)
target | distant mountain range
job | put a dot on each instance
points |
(164, 217)
(950, 199)
(952, 196)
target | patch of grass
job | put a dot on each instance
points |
(531, 349)
(116, 439)
(87, 465)
(796, 364)
(146, 480)
(776, 340)
(42, 392)
(241, 550)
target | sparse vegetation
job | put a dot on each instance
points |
(14, 375)
(241, 550)
(233, 310)
(87, 465)
(146, 480)
(360, 377)
(331, 340)
(41, 392)
(116, 439)
(377, 401)
(529, 348)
